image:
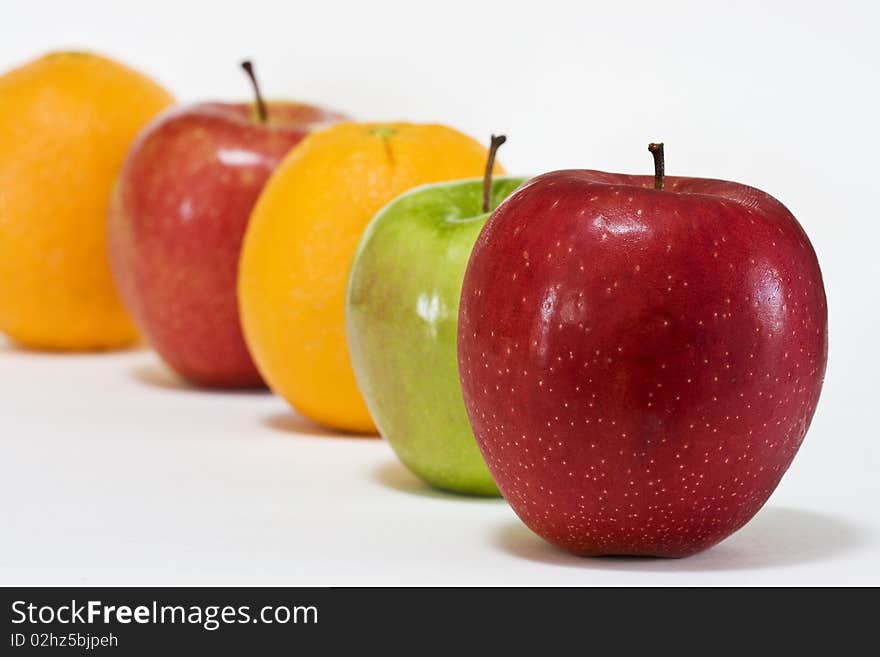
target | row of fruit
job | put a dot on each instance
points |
(632, 360)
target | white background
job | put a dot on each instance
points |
(113, 472)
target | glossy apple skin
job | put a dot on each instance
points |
(640, 366)
(177, 220)
(402, 324)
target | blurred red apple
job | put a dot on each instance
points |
(640, 365)
(177, 221)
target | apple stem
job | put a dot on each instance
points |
(262, 113)
(659, 164)
(494, 144)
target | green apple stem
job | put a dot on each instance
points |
(494, 144)
(659, 164)
(262, 113)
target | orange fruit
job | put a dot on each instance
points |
(66, 122)
(300, 241)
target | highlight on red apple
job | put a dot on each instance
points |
(640, 356)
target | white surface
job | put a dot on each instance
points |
(115, 473)
(112, 474)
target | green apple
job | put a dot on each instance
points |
(402, 322)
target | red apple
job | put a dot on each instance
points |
(640, 365)
(177, 221)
